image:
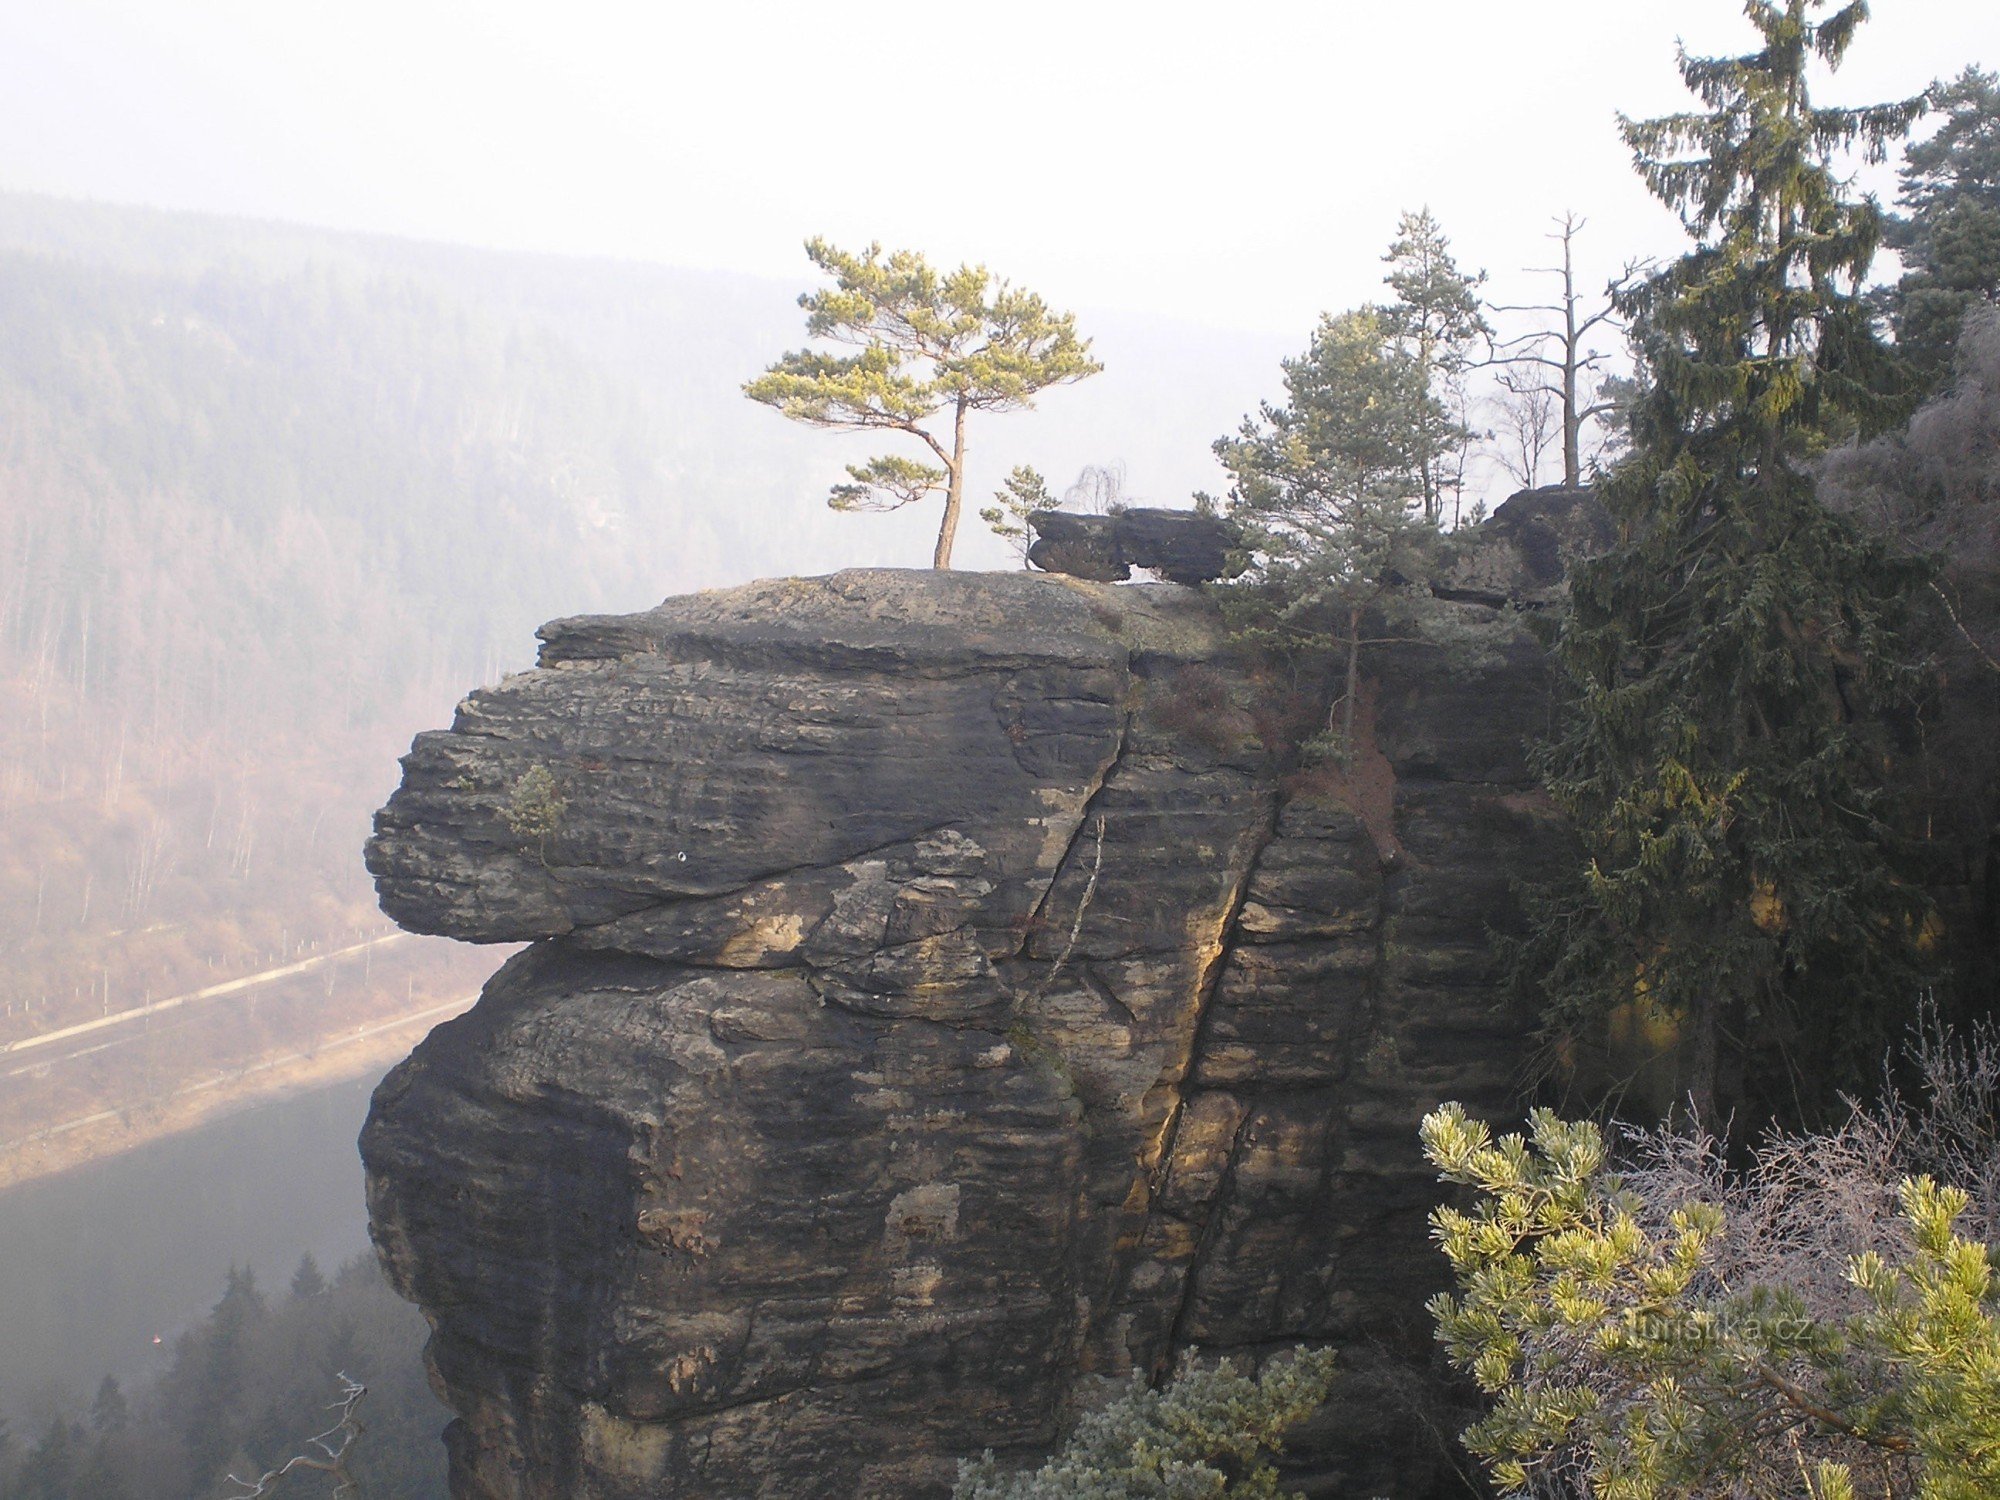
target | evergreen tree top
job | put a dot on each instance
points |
(308, 1280)
(927, 338)
(1960, 160)
(1761, 156)
(109, 1410)
(1761, 326)
(1436, 303)
(928, 343)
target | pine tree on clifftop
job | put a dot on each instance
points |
(929, 345)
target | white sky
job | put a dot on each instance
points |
(1239, 165)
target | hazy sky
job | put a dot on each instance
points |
(1239, 165)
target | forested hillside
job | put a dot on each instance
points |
(260, 518)
(255, 526)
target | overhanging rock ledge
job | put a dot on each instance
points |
(940, 999)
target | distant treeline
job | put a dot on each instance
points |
(246, 1389)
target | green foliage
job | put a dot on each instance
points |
(1024, 495)
(1435, 320)
(1949, 237)
(1934, 1322)
(1328, 491)
(928, 343)
(1623, 1364)
(1209, 1432)
(1731, 661)
(535, 808)
(886, 483)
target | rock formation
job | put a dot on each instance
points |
(1522, 555)
(943, 998)
(1182, 546)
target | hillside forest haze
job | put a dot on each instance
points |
(1559, 669)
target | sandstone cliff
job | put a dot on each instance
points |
(941, 999)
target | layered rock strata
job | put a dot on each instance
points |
(941, 999)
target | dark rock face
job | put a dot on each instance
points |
(941, 1002)
(1182, 546)
(1522, 555)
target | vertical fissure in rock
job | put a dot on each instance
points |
(1205, 989)
(1204, 1242)
(1211, 977)
(1033, 922)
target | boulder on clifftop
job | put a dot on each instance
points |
(1182, 546)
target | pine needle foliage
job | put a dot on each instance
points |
(1209, 1432)
(1949, 235)
(1436, 320)
(1731, 662)
(928, 344)
(1623, 1362)
(1328, 491)
(1017, 502)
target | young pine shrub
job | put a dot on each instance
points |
(1819, 1324)
(1211, 1431)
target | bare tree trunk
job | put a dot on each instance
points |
(954, 495)
(1572, 412)
(1704, 1025)
(1564, 378)
(1353, 684)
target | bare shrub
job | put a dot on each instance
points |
(1810, 1202)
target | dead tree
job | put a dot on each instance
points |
(1558, 362)
(1527, 423)
(334, 1445)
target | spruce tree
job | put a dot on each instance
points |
(211, 1366)
(51, 1469)
(1731, 662)
(109, 1411)
(307, 1280)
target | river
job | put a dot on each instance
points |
(99, 1262)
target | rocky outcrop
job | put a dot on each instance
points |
(1521, 556)
(1182, 546)
(943, 998)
